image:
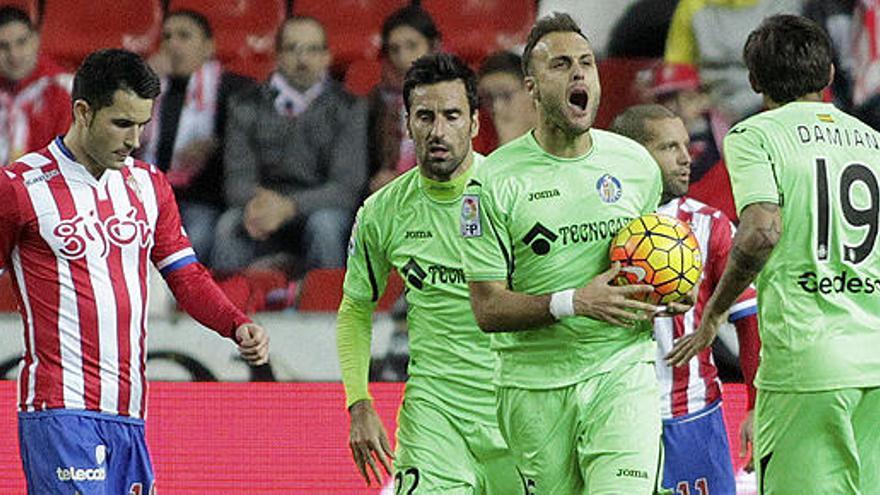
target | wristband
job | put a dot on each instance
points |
(562, 304)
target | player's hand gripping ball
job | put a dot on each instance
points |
(658, 250)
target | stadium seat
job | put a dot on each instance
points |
(244, 32)
(619, 89)
(31, 7)
(362, 75)
(473, 29)
(353, 26)
(72, 29)
(321, 291)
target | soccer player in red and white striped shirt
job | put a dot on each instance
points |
(79, 222)
(697, 455)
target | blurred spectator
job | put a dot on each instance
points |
(34, 91)
(598, 17)
(295, 161)
(641, 30)
(407, 34)
(710, 34)
(866, 65)
(185, 138)
(678, 88)
(503, 94)
(836, 17)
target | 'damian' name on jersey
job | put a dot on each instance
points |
(828, 133)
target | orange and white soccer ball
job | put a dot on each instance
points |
(661, 251)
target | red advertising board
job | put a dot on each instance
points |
(256, 438)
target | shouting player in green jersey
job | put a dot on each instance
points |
(448, 440)
(577, 396)
(805, 181)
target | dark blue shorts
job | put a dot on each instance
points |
(85, 453)
(697, 454)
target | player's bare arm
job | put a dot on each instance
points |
(759, 231)
(499, 309)
(368, 441)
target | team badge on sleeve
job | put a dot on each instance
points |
(470, 216)
(352, 239)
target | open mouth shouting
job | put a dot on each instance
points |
(578, 99)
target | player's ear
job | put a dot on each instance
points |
(529, 83)
(475, 123)
(755, 87)
(82, 112)
(831, 71)
(409, 131)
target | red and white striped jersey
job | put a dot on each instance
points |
(79, 248)
(691, 388)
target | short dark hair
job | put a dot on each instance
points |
(10, 14)
(557, 22)
(503, 61)
(196, 17)
(105, 71)
(788, 56)
(631, 122)
(440, 67)
(410, 16)
(297, 18)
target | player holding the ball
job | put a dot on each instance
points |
(577, 396)
(691, 396)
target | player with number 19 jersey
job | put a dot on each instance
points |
(819, 293)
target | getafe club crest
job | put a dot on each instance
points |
(609, 188)
(470, 216)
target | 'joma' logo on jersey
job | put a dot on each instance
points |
(551, 193)
(632, 473)
(539, 239)
(417, 234)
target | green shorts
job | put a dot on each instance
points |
(444, 455)
(599, 436)
(818, 442)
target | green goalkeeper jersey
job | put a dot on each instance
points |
(543, 224)
(411, 225)
(819, 293)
